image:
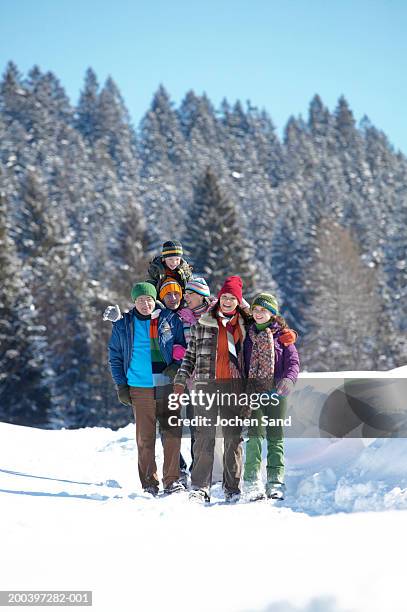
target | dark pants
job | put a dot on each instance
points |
(204, 445)
(147, 409)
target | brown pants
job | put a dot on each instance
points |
(147, 409)
(204, 446)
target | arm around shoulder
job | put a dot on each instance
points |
(291, 362)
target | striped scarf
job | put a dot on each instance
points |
(158, 363)
(190, 316)
(200, 310)
(229, 347)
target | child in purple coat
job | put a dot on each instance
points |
(268, 361)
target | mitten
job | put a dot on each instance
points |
(112, 313)
(171, 370)
(285, 386)
(178, 352)
(123, 393)
(288, 336)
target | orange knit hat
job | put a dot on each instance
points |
(170, 285)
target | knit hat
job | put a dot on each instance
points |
(266, 300)
(233, 285)
(143, 289)
(198, 285)
(172, 248)
(169, 285)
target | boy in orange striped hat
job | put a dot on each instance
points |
(170, 293)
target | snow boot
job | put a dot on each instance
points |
(275, 490)
(183, 477)
(174, 487)
(152, 490)
(199, 496)
(253, 491)
(231, 497)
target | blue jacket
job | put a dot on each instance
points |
(170, 332)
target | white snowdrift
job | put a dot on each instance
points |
(74, 517)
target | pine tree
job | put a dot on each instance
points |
(267, 145)
(116, 129)
(202, 132)
(293, 243)
(215, 240)
(344, 310)
(198, 121)
(87, 112)
(320, 121)
(13, 95)
(24, 396)
(160, 149)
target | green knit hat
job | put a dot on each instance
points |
(266, 300)
(143, 289)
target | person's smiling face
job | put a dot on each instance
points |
(261, 315)
(228, 303)
(172, 262)
(172, 300)
(192, 299)
(145, 304)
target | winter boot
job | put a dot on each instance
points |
(174, 487)
(231, 497)
(183, 477)
(199, 496)
(275, 490)
(253, 491)
(152, 490)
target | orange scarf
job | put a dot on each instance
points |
(226, 367)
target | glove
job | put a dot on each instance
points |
(288, 336)
(245, 432)
(285, 386)
(178, 389)
(112, 313)
(123, 393)
(171, 370)
(178, 352)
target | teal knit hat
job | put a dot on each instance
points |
(198, 285)
(143, 289)
(266, 300)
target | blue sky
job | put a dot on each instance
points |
(277, 53)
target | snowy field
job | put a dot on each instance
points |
(74, 518)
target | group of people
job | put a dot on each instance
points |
(178, 337)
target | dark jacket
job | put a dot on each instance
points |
(170, 332)
(286, 359)
(157, 273)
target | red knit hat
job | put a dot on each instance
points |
(233, 285)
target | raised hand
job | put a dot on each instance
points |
(112, 313)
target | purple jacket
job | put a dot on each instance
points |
(287, 361)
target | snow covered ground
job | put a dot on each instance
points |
(74, 518)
